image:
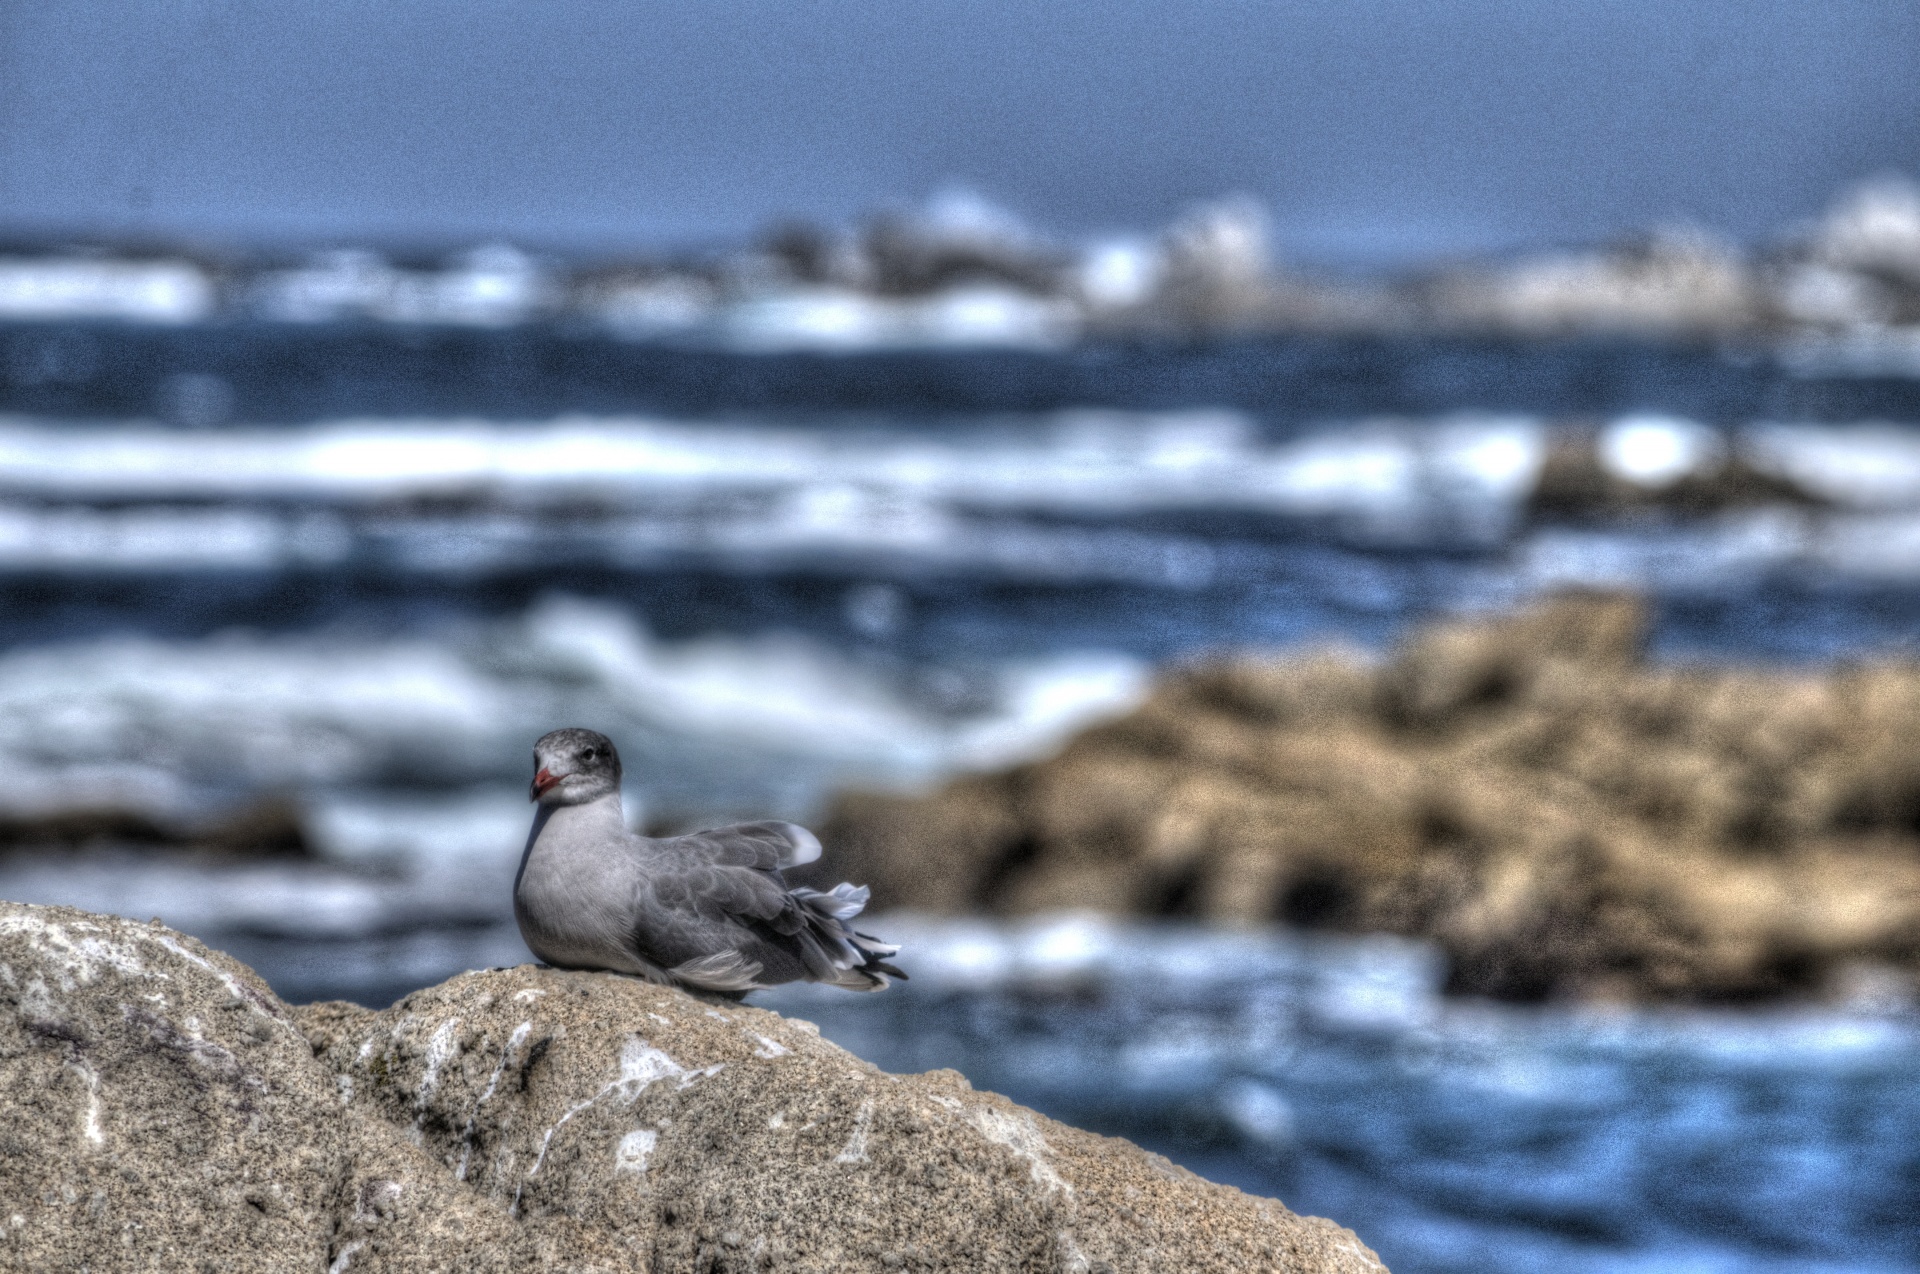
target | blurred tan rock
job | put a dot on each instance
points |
(1565, 819)
(164, 1112)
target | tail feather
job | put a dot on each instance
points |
(858, 960)
(872, 946)
(842, 902)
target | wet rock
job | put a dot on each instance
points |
(1564, 819)
(164, 1111)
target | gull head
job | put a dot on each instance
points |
(572, 766)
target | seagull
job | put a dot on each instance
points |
(708, 911)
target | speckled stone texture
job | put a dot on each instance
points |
(162, 1111)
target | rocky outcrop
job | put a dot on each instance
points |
(163, 1111)
(1565, 819)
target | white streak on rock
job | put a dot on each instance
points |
(440, 1050)
(514, 1042)
(856, 1148)
(634, 1150)
(1018, 1134)
(266, 1006)
(1354, 1250)
(641, 1066)
(90, 1126)
(546, 1142)
(345, 1258)
(36, 1002)
(769, 1048)
(76, 958)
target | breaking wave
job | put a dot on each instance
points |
(758, 723)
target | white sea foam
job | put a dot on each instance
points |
(850, 481)
(1657, 451)
(1706, 556)
(842, 319)
(771, 719)
(149, 538)
(460, 496)
(1869, 466)
(85, 288)
(1725, 552)
(490, 286)
(629, 492)
(1103, 460)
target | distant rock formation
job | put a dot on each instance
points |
(922, 277)
(1564, 819)
(163, 1111)
(1671, 282)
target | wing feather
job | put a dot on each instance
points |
(719, 912)
(765, 845)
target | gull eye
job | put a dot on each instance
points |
(589, 754)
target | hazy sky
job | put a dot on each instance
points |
(1374, 129)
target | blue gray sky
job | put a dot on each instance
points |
(1377, 131)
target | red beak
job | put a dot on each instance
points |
(542, 783)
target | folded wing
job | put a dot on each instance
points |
(716, 913)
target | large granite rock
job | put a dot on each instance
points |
(163, 1111)
(1564, 818)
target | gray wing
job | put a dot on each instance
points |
(715, 912)
(763, 846)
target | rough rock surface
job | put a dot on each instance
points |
(164, 1112)
(1565, 819)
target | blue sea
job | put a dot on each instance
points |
(354, 570)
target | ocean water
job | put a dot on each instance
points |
(1452, 1137)
(354, 573)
